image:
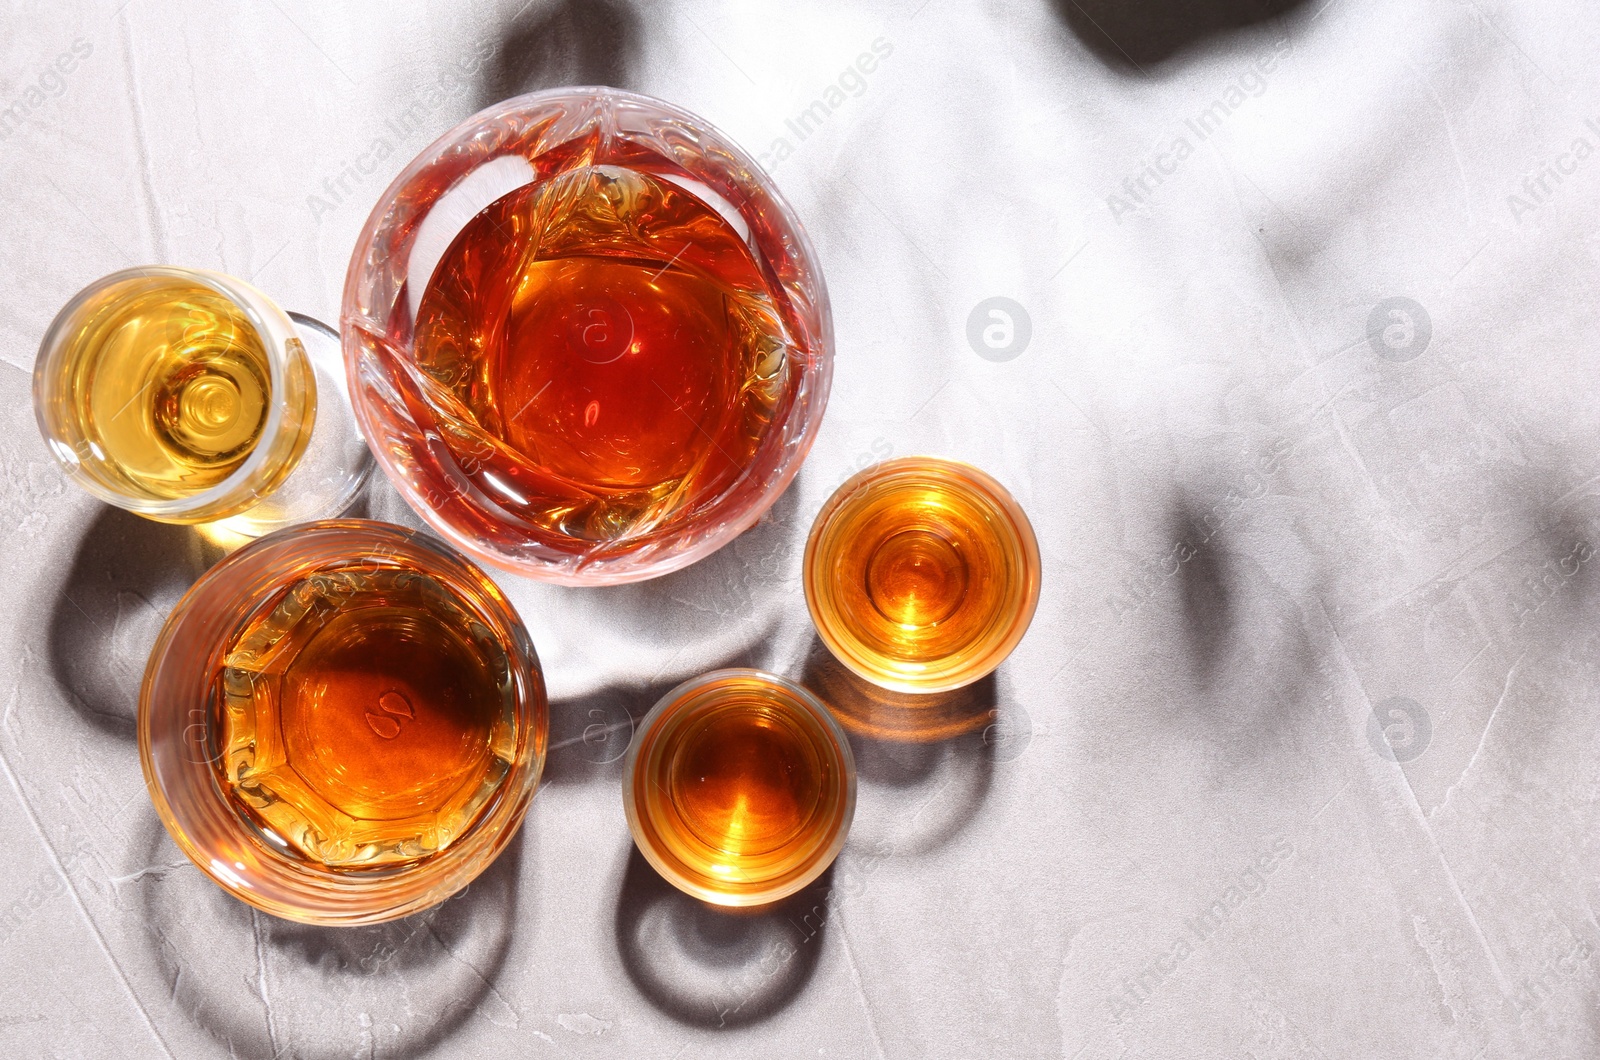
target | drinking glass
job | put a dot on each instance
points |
(342, 723)
(586, 336)
(921, 574)
(739, 787)
(188, 396)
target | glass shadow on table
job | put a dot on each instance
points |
(941, 746)
(715, 967)
(570, 42)
(262, 986)
(123, 579)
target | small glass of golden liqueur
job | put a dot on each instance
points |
(342, 723)
(739, 787)
(921, 574)
(189, 397)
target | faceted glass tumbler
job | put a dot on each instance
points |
(593, 255)
(301, 808)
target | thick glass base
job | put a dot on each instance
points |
(335, 464)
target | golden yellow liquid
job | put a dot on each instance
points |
(921, 574)
(168, 384)
(364, 719)
(738, 791)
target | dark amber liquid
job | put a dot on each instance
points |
(606, 353)
(365, 719)
(736, 788)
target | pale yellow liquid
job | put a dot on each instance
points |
(169, 383)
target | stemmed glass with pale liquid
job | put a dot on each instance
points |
(189, 397)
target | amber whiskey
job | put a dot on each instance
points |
(921, 574)
(605, 350)
(739, 787)
(365, 718)
(169, 387)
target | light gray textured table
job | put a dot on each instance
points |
(1301, 755)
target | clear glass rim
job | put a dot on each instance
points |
(936, 680)
(342, 500)
(602, 572)
(784, 886)
(270, 322)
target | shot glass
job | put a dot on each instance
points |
(586, 336)
(921, 574)
(188, 396)
(342, 723)
(739, 787)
